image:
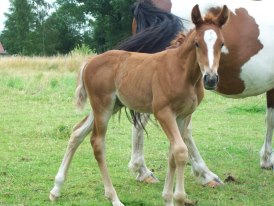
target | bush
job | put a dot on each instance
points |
(81, 50)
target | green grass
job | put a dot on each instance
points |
(37, 114)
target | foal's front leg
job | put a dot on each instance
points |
(178, 157)
(137, 162)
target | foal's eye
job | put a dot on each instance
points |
(196, 45)
(222, 45)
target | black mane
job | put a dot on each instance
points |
(155, 29)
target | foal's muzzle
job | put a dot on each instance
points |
(211, 81)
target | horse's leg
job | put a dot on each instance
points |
(137, 162)
(199, 168)
(177, 159)
(267, 155)
(102, 112)
(80, 131)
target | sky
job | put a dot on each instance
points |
(4, 5)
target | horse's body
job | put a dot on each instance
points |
(249, 65)
(168, 84)
(246, 69)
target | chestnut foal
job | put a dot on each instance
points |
(169, 84)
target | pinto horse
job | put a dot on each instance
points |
(169, 84)
(247, 65)
(246, 69)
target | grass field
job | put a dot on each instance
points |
(37, 114)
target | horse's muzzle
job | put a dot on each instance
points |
(210, 81)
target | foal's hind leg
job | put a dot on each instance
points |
(267, 155)
(137, 162)
(80, 131)
(101, 118)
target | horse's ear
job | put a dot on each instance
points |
(223, 17)
(196, 16)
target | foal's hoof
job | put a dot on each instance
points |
(52, 197)
(149, 179)
(214, 183)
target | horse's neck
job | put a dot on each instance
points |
(188, 58)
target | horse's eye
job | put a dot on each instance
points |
(196, 45)
(222, 45)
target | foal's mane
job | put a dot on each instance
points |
(181, 36)
(212, 15)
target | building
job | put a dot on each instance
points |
(2, 50)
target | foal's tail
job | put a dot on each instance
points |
(80, 93)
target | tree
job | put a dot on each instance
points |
(63, 27)
(30, 30)
(60, 36)
(17, 27)
(23, 32)
(33, 27)
(111, 22)
(38, 35)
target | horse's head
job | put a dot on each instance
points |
(163, 4)
(209, 41)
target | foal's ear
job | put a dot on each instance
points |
(196, 16)
(223, 16)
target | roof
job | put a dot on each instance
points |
(2, 50)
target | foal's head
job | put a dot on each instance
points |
(209, 42)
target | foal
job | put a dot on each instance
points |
(168, 84)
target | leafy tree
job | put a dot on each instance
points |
(17, 27)
(61, 36)
(111, 22)
(24, 25)
(33, 27)
(38, 35)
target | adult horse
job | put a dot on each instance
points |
(168, 84)
(246, 69)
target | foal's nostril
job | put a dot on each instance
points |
(210, 81)
(217, 78)
(208, 78)
(205, 77)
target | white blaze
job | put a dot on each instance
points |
(210, 38)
